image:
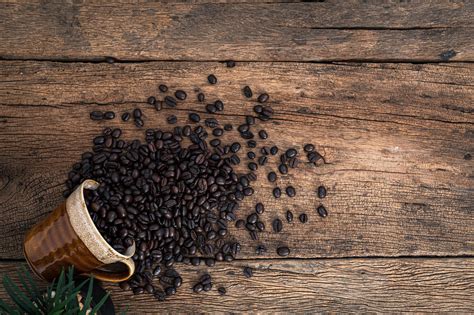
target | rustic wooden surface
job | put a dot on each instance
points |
(398, 137)
(318, 31)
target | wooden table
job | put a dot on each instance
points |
(384, 89)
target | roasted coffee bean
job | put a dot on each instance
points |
(258, 109)
(272, 177)
(291, 153)
(277, 192)
(239, 224)
(207, 287)
(138, 122)
(277, 225)
(293, 162)
(228, 127)
(322, 211)
(201, 97)
(163, 88)
(243, 128)
(125, 116)
(230, 63)
(314, 156)
(321, 192)
(260, 226)
(308, 147)
(194, 117)
(289, 216)
(251, 143)
(198, 288)
(235, 147)
(97, 115)
(303, 218)
(170, 291)
(138, 290)
(212, 79)
(157, 271)
(250, 120)
(263, 134)
(158, 106)
(274, 150)
(170, 101)
(290, 191)
(283, 169)
(172, 119)
(222, 290)
(262, 160)
(219, 105)
(263, 98)
(265, 150)
(248, 272)
(283, 251)
(252, 218)
(260, 249)
(137, 113)
(247, 91)
(217, 132)
(151, 100)
(259, 208)
(211, 122)
(109, 115)
(251, 155)
(180, 95)
(252, 166)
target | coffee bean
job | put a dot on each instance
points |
(198, 288)
(170, 101)
(252, 166)
(207, 287)
(230, 63)
(260, 249)
(293, 162)
(262, 160)
(262, 98)
(251, 143)
(259, 208)
(235, 147)
(248, 272)
(151, 100)
(283, 251)
(314, 156)
(157, 271)
(263, 134)
(109, 115)
(170, 291)
(274, 150)
(172, 119)
(138, 290)
(180, 95)
(138, 122)
(219, 105)
(247, 91)
(201, 97)
(321, 192)
(251, 155)
(277, 225)
(125, 116)
(212, 79)
(137, 113)
(228, 127)
(290, 191)
(217, 132)
(97, 115)
(308, 147)
(211, 122)
(322, 211)
(258, 109)
(222, 290)
(194, 117)
(252, 218)
(272, 177)
(303, 218)
(277, 192)
(163, 88)
(291, 153)
(283, 169)
(289, 216)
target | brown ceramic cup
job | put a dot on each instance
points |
(69, 237)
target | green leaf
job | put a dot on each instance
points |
(18, 296)
(99, 305)
(59, 288)
(87, 302)
(4, 307)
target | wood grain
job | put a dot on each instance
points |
(358, 30)
(398, 141)
(286, 285)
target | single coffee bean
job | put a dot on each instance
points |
(308, 147)
(170, 291)
(322, 211)
(180, 95)
(289, 216)
(151, 100)
(291, 153)
(321, 192)
(277, 192)
(158, 106)
(252, 166)
(124, 286)
(259, 208)
(163, 88)
(138, 122)
(251, 155)
(201, 97)
(283, 169)
(125, 116)
(198, 288)
(217, 132)
(212, 79)
(247, 91)
(138, 290)
(207, 287)
(109, 115)
(303, 218)
(263, 98)
(265, 150)
(272, 177)
(235, 147)
(277, 225)
(222, 290)
(211, 122)
(248, 272)
(228, 127)
(260, 226)
(230, 63)
(170, 101)
(252, 218)
(172, 119)
(251, 143)
(157, 271)
(194, 117)
(290, 191)
(274, 150)
(262, 160)
(137, 113)
(283, 251)
(258, 109)
(97, 115)
(260, 249)
(263, 134)
(219, 105)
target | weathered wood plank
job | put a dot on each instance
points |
(398, 141)
(318, 31)
(285, 285)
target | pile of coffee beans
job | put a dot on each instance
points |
(174, 194)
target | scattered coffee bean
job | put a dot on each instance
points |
(259, 208)
(151, 100)
(272, 177)
(322, 211)
(277, 192)
(262, 160)
(228, 127)
(283, 251)
(212, 79)
(303, 218)
(252, 166)
(283, 169)
(217, 132)
(277, 225)
(163, 88)
(274, 150)
(125, 116)
(170, 101)
(194, 117)
(248, 272)
(97, 115)
(240, 224)
(198, 288)
(109, 115)
(263, 134)
(180, 95)
(158, 106)
(289, 216)
(251, 155)
(251, 144)
(201, 97)
(247, 92)
(291, 153)
(262, 98)
(137, 113)
(222, 290)
(230, 63)
(308, 147)
(172, 119)
(290, 191)
(219, 105)
(321, 192)
(260, 249)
